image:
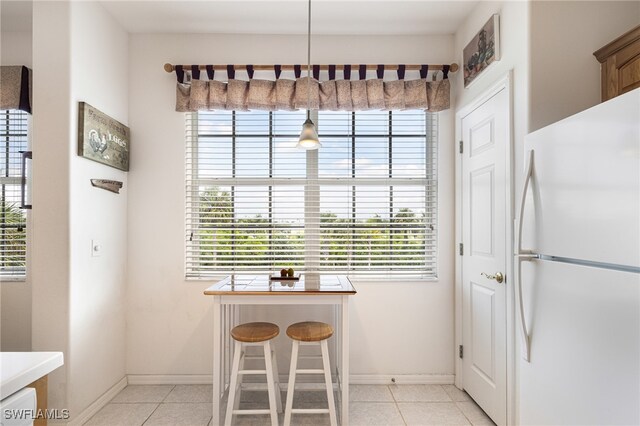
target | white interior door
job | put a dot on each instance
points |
(484, 183)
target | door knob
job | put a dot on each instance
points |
(498, 276)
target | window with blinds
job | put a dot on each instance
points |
(364, 204)
(13, 234)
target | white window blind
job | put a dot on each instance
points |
(13, 242)
(364, 204)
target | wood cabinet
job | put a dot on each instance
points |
(620, 62)
(42, 397)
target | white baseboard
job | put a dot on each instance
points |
(169, 379)
(97, 405)
(401, 379)
(357, 379)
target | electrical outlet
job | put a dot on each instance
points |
(96, 248)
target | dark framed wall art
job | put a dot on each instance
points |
(101, 138)
(482, 50)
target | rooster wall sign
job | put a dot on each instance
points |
(101, 138)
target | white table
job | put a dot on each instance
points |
(22, 368)
(238, 290)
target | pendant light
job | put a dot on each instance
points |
(309, 135)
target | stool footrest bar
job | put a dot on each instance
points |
(310, 410)
(310, 371)
(252, 372)
(248, 412)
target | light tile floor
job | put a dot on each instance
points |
(371, 405)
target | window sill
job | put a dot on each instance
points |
(363, 279)
(22, 279)
(355, 279)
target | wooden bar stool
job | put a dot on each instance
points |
(254, 334)
(310, 333)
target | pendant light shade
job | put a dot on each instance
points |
(309, 136)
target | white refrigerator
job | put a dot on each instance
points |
(577, 263)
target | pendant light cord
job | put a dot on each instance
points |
(309, 62)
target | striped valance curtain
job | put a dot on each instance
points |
(201, 91)
(15, 88)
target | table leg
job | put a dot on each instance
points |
(344, 336)
(217, 358)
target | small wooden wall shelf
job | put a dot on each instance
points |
(620, 64)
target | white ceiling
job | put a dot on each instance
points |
(290, 16)
(269, 16)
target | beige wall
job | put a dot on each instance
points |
(565, 76)
(15, 48)
(51, 142)
(79, 305)
(398, 328)
(98, 284)
(15, 297)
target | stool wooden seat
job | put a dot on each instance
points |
(253, 332)
(310, 331)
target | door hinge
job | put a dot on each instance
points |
(460, 352)
(460, 249)
(461, 149)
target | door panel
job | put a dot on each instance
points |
(481, 136)
(484, 212)
(482, 215)
(483, 331)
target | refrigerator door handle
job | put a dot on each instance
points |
(525, 189)
(23, 179)
(523, 255)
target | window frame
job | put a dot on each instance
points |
(312, 222)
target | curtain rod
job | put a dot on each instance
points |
(452, 68)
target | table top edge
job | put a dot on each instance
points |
(213, 290)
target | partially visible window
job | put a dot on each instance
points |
(13, 233)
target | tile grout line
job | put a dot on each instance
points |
(157, 406)
(396, 404)
(470, 399)
(451, 400)
(457, 406)
(468, 418)
(465, 416)
(167, 395)
(388, 387)
(150, 414)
